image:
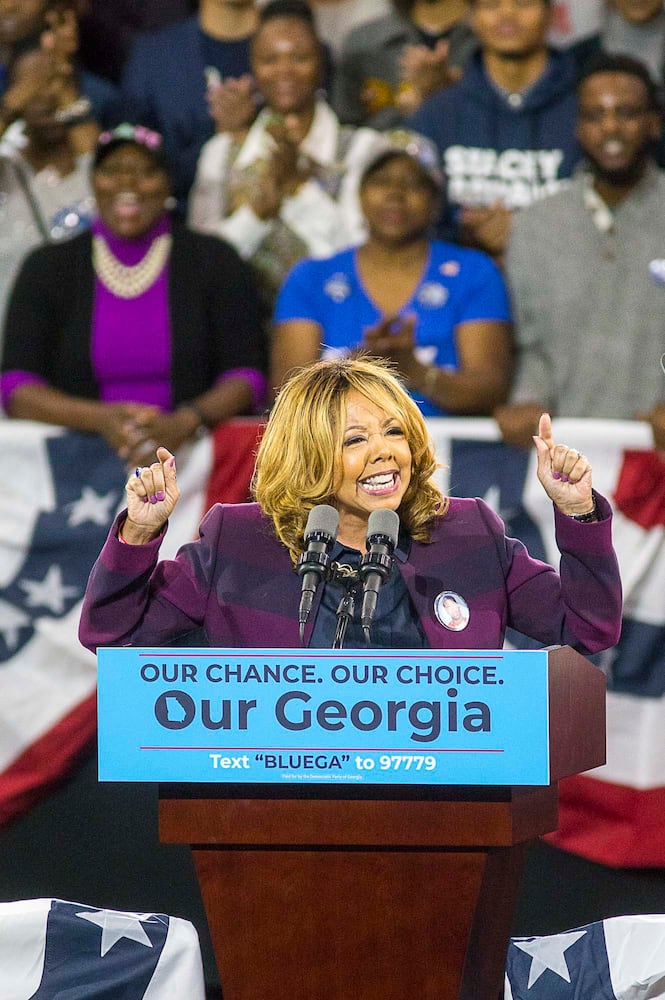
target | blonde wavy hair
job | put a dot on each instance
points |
(299, 460)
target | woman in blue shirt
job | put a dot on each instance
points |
(440, 312)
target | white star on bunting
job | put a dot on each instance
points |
(93, 507)
(116, 926)
(11, 620)
(50, 592)
(548, 953)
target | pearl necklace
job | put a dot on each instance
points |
(130, 282)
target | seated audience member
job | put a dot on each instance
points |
(632, 28)
(191, 79)
(506, 131)
(439, 312)
(45, 191)
(390, 66)
(109, 27)
(287, 188)
(586, 268)
(139, 330)
(53, 43)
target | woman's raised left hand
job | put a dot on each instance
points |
(152, 493)
(564, 473)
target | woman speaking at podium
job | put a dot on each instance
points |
(344, 451)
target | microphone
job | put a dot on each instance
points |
(375, 565)
(320, 535)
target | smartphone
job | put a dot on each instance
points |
(213, 77)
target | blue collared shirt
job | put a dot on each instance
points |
(396, 624)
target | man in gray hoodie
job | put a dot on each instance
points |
(587, 268)
(389, 66)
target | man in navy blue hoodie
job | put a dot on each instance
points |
(506, 130)
(172, 77)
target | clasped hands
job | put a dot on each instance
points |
(134, 430)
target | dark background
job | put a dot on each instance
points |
(97, 844)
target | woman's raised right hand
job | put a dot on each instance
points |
(152, 493)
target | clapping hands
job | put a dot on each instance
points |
(232, 104)
(392, 337)
(423, 72)
(282, 172)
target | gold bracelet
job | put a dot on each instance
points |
(430, 379)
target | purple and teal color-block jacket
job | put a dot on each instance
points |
(238, 584)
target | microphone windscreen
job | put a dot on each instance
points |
(322, 518)
(383, 522)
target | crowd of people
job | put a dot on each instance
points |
(347, 217)
(430, 182)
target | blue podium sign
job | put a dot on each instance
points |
(323, 716)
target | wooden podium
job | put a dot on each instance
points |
(377, 893)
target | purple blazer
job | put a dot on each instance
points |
(237, 582)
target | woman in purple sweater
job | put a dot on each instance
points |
(141, 330)
(345, 433)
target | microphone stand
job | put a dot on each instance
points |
(345, 611)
